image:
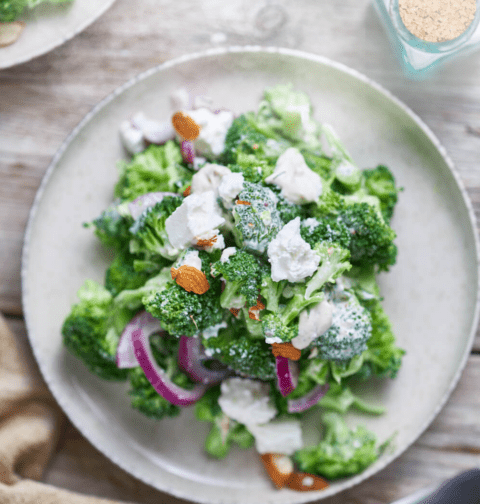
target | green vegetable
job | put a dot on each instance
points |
(112, 227)
(380, 182)
(121, 274)
(383, 357)
(242, 275)
(135, 298)
(256, 224)
(342, 452)
(92, 330)
(148, 232)
(248, 356)
(224, 431)
(186, 313)
(350, 330)
(340, 398)
(10, 10)
(158, 168)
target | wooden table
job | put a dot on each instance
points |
(41, 101)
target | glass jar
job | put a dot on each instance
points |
(419, 56)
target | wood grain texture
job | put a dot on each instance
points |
(41, 101)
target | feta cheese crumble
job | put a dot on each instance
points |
(229, 188)
(191, 259)
(298, 182)
(290, 255)
(312, 324)
(213, 130)
(246, 401)
(131, 137)
(278, 436)
(208, 178)
(198, 214)
(228, 252)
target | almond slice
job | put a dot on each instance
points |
(279, 467)
(286, 350)
(185, 126)
(304, 482)
(191, 279)
(10, 32)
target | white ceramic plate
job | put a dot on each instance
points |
(431, 294)
(48, 26)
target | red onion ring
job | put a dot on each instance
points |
(157, 376)
(188, 151)
(308, 400)
(125, 354)
(287, 375)
(190, 357)
(138, 205)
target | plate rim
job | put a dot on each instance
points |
(32, 54)
(315, 58)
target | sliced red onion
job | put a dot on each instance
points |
(154, 132)
(190, 357)
(188, 151)
(157, 376)
(287, 375)
(308, 400)
(137, 206)
(125, 354)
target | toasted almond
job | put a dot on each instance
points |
(191, 279)
(185, 126)
(187, 191)
(241, 202)
(279, 467)
(253, 313)
(304, 482)
(10, 32)
(286, 350)
(234, 311)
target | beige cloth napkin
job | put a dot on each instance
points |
(30, 421)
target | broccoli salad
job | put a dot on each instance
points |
(243, 283)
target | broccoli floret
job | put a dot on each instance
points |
(258, 222)
(372, 239)
(271, 291)
(340, 398)
(242, 137)
(281, 323)
(143, 396)
(158, 168)
(148, 232)
(111, 227)
(224, 430)
(121, 274)
(247, 356)
(334, 261)
(380, 182)
(274, 326)
(92, 330)
(11, 9)
(350, 330)
(342, 452)
(383, 357)
(242, 273)
(134, 298)
(186, 313)
(326, 229)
